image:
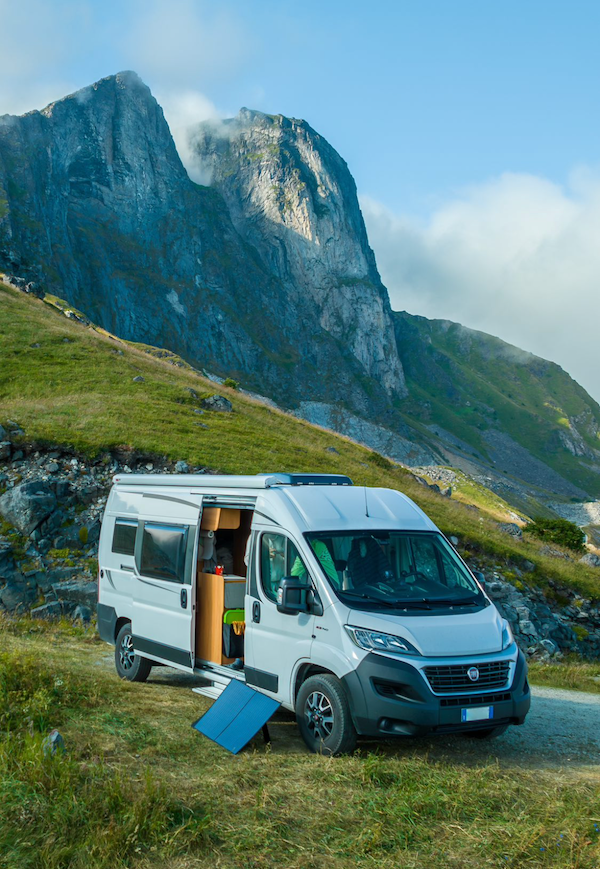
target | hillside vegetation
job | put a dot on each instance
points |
(468, 383)
(69, 384)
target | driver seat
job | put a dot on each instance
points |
(367, 563)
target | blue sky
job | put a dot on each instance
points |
(471, 128)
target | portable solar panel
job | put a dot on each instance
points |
(236, 716)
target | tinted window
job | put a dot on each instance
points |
(163, 551)
(124, 536)
(278, 558)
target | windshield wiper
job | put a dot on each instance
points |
(443, 601)
(393, 604)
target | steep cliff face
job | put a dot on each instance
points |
(291, 196)
(95, 201)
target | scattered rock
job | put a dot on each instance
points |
(197, 410)
(82, 614)
(511, 528)
(453, 540)
(139, 379)
(53, 744)
(218, 404)
(192, 392)
(5, 447)
(79, 591)
(182, 468)
(52, 610)
(589, 559)
(332, 450)
(26, 506)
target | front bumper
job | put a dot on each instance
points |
(391, 698)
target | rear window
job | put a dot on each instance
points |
(124, 536)
(163, 551)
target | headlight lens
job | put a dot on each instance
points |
(507, 636)
(373, 641)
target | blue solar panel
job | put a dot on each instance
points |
(236, 716)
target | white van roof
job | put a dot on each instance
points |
(231, 481)
(332, 508)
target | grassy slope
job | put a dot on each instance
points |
(531, 398)
(80, 392)
(139, 788)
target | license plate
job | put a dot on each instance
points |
(477, 713)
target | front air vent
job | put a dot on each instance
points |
(465, 677)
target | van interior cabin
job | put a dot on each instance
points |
(224, 534)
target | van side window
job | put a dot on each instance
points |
(278, 558)
(163, 551)
(124, 536)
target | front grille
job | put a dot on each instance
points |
(454, 677)
(472, 700)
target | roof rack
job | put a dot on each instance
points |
(308, 480)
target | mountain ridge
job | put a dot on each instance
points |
(267, 276)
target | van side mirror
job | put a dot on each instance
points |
(292, 596)
(480, 577)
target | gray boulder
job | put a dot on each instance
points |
(53, 744)
(16, 598)
(77, 591)
(590, 559)
(218, 404)
(181, 468)
(28, 505)
(3, 433)
(82, 614)
(52, 610)
(511, 528)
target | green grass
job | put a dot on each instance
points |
(571, 674)
(139, 788)
(81, 393)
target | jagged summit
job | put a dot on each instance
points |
(292, 197)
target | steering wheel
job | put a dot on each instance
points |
(418, 574)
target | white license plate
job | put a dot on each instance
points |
(477, 713)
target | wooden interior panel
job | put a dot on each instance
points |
(210, 598)
(210, 518)
(229, 518)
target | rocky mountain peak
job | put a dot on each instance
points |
(292, 197)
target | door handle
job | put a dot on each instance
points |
(127, 567)
(256, 611)
(184, 598)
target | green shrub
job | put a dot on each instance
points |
(83, 535)
(559, 531)
(231, 383)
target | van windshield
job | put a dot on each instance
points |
(403, 570)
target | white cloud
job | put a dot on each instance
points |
(517, 256)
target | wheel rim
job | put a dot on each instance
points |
(318, 713)
(126, 652)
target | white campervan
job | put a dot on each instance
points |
(344, 603)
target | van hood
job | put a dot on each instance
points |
(451, 634)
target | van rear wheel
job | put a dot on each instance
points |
(129, 665)
(323, 716)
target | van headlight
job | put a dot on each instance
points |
(507, 635)
(374, 641)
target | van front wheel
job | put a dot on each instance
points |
(323, 716)
(129, 665)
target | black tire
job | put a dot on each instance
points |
(488, 732)
(129, 665)
(323, 716)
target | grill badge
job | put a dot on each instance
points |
(473, 674)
